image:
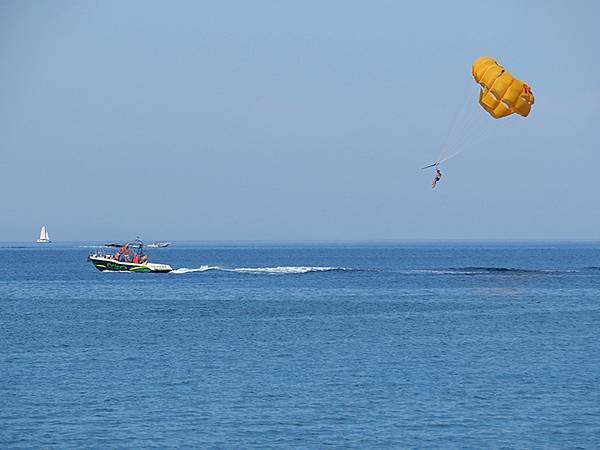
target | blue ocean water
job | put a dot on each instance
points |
(256, 345)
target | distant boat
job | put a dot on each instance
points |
(158, 245)
(114, 244)
(44, 238)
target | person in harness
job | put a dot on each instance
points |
(438, 177)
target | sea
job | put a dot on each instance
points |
(303, 345)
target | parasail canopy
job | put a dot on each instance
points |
(501, 94)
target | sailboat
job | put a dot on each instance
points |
(44, 238)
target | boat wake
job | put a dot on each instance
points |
(279, 270)
(484, 271)
(198, 269)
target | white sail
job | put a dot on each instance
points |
(44, 235)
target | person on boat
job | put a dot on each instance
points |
(121, 255)
(438, 177)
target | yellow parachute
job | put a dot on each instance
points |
(501, 94)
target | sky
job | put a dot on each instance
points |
(270, 120)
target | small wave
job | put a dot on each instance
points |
(279, 270)
(464, 271)
(484, 271)
(510, 270)
(428, 272)
(492, 270)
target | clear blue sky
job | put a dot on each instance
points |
(292, 120)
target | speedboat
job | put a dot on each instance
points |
(103, 263)
(158, 245)
(129, 258)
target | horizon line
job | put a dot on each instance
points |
(341, 241)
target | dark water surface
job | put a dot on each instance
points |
(303, 346)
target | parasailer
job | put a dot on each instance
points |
(500, 95)
(438, 173)
(437, 177)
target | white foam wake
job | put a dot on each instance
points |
(198, 269)
(284, 269)
(279, 270)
